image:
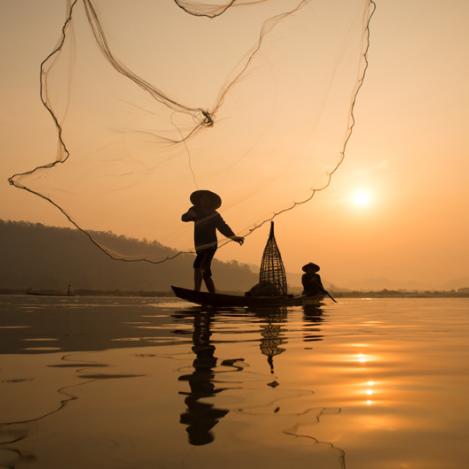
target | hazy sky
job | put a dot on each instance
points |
(396, 213)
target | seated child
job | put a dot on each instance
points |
(312, 284)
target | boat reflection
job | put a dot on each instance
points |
(201, 417)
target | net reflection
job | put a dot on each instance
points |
(201, 417)
(272, 333)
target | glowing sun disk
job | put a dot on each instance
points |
(361, 198)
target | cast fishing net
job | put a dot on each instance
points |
(151, 100)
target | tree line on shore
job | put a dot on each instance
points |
(38, 257)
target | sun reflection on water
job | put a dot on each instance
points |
(366, 388)
(370, 391)
(362, 358)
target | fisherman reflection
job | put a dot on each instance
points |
(271, 332)
(312, 315)
(201, 417)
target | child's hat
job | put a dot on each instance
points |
(208, 197)
(310, 267)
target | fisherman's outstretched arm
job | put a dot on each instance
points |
(190, 215)
(224, 229)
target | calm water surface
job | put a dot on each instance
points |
(155, 383)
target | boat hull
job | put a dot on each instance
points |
(222, 300)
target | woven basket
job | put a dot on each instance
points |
(272, 268)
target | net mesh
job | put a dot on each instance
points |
(152, 100)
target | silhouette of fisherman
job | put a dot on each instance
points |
(311, 280)
(206, 223)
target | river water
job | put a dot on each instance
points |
(91, 382)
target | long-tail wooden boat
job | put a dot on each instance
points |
(48, 293)
(223, 300)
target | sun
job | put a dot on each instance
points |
(361, 198)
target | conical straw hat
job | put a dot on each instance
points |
(208, 197)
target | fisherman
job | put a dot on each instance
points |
(311, 280)
(206, 222)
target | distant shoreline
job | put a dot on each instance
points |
(148, 294)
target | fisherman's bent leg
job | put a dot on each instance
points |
(207, 261)
(209, 282)
(198, 270)
(197, 279)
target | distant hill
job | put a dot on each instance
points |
(43, 257)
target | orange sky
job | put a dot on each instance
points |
(409, 149)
